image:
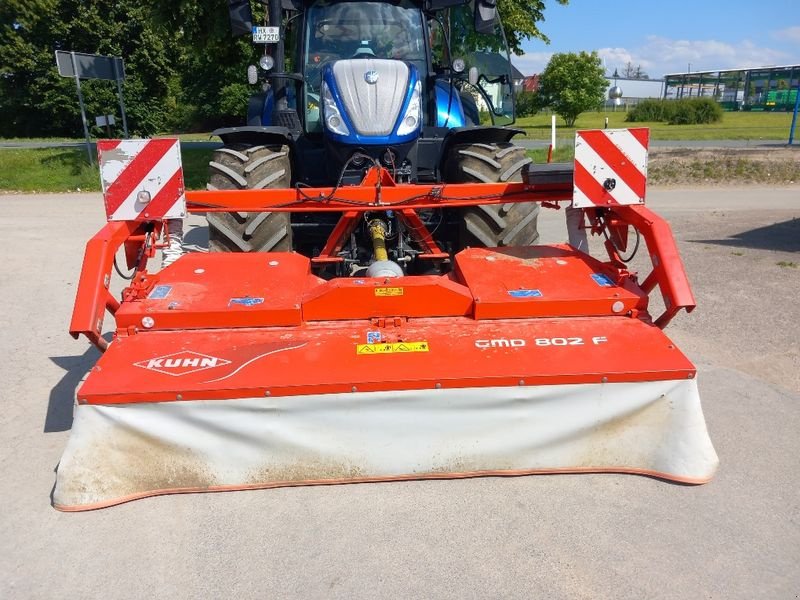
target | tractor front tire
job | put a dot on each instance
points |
(242, 167)
(510, 224)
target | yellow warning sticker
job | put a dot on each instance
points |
(397, 348)
(388, 291)
(374, 349)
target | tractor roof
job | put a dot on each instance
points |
(426, 4)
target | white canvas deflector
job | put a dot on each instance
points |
(122, 452)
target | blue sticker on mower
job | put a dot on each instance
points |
(525, 293)
(373, 337)
(602, 280)
(160, 292)
(246, 301)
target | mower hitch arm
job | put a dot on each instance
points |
(367, 198)
(93, 297)
(668, 272)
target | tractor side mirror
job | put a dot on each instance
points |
(485, 16)
(241, 17)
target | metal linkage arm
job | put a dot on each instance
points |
(94, 297)
(668, 272)
(377, 192)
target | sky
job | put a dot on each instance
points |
(670, 36)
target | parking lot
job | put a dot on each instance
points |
(563, 536)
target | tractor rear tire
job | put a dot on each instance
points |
(242, 167)
(510, 224)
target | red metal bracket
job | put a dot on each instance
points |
(378, 191)
(421, 235)
(668, 272)
(378, 178)
(93, 297)
(336, 240)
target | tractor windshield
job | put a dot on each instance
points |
(357, 28)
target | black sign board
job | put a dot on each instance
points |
(90, 66)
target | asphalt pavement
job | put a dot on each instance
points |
(561, 536)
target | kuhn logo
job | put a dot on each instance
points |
(182, 363)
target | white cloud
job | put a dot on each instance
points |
(790, 34)
(616, 58)
(531, 63)
(660, 55)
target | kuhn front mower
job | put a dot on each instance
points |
(230, 371)
(373, 306)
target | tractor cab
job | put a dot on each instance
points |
(387, 81)
(420, 88)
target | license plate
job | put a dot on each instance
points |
(266, 35)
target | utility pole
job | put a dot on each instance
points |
(794, 116)
(83, 110)
(78, 65)
(119, 77)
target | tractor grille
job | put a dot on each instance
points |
(373, 108)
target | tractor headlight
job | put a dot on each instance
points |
(331, 114)
(412, 119)
(266, 62)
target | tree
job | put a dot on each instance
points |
(634, 72)
(571, 84)
(183, 67)
(526, 104)
(35, 100)
(213, 63)
(519, 21)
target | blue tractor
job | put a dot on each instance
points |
(422, 87)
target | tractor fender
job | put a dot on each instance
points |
(477, 135)
(259, 135)
(256, 135)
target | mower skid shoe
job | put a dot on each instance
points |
(122, 452)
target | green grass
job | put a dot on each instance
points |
(195, 168)
(44, 139)
(67, 170)
(734, 126)
(563, 153)
(787, 264)
(47, 170)
(193, 137)
(186, 137)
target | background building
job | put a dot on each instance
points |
(634, 90)
(531, 83)
(759, 88)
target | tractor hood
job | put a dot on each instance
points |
(371, 101)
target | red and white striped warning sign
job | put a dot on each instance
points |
(610, 167)
(142, 179)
